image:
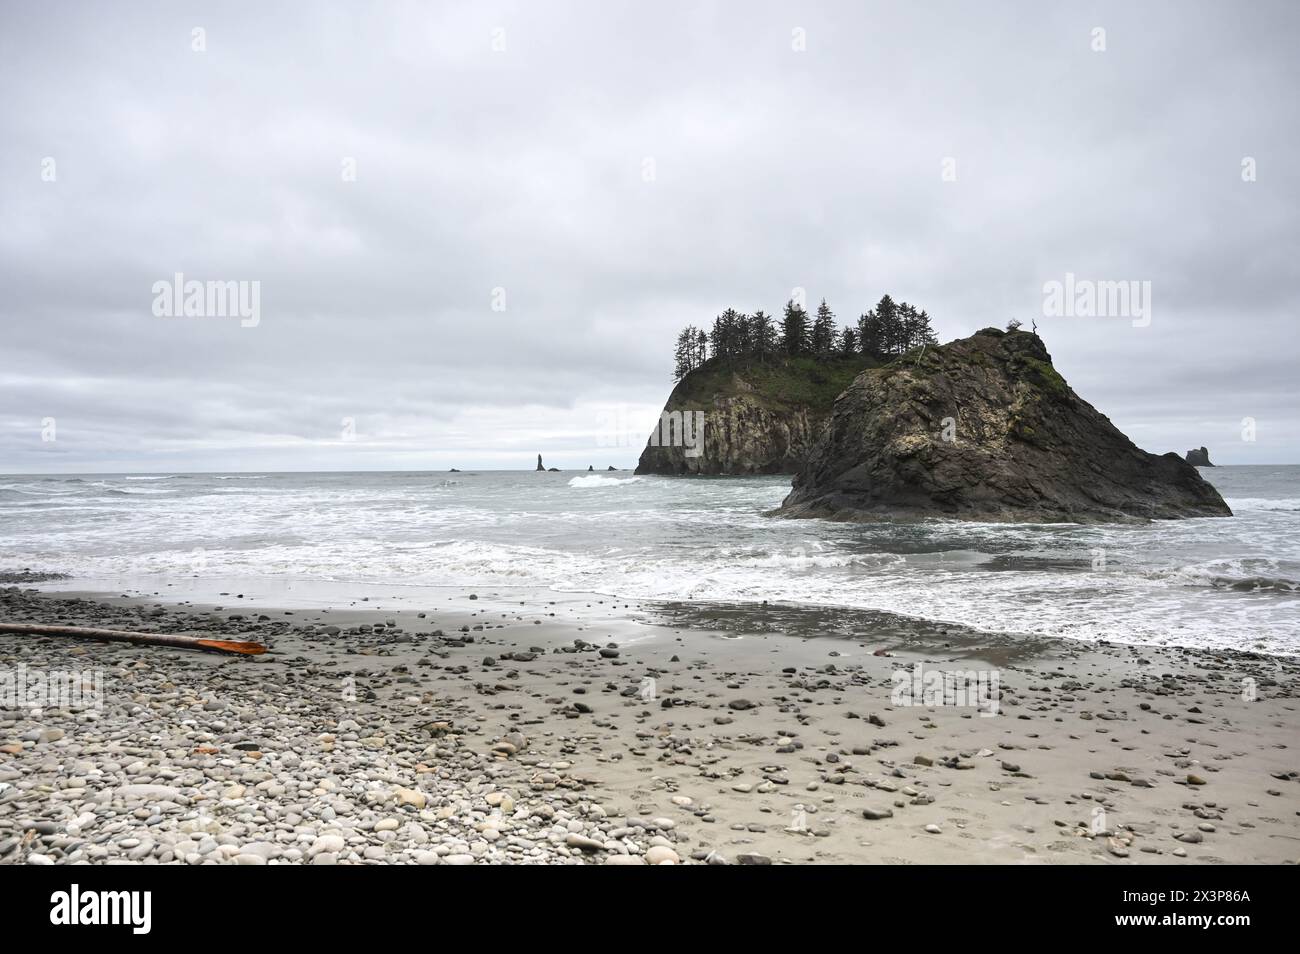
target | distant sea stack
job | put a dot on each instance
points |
(984, 428)
(1199, 458)
(753, 417)
(539, 463)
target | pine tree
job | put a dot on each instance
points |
(869, 337)
(726, 334)
(891, 328)
(794, 329)
(762, 335)
(908, 330)
(744, 336)
(823, 331)
(926, 333)
(683, 363)
(891, 331)
(848, 343)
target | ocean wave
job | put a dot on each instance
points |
(31, 491)
(599, 480)
(1243, 575)
(1272, 504)
(169, 477)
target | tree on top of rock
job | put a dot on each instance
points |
(823, 331)
(690, 351)
(794, 329)
(891, 328)
(915, 329)
(848, 342)
(729, 333)
(762, 334)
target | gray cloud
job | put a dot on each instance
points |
(523, 169)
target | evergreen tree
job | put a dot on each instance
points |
(870, 339)
(794, 329)
(891, 330)
(762, 335)
(926, 333)
(683, 358)
(744, 336)
(823, 331)
(848, 343)
(908, 328)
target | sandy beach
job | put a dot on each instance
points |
(499, 727)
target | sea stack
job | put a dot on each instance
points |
(539, 463)
(1199, 458)
(984, 428)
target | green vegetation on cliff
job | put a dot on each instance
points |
(780, 382)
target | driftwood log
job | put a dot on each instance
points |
(242, 647)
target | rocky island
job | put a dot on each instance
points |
(1199, 457)
(985, 428)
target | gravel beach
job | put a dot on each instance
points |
(576, 730)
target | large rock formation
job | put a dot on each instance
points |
(1199, 458)
(747, 418)
(984, 428)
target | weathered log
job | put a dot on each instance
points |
(242, 647)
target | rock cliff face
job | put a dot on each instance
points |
(984, 428)
(1199, 458)
(726, 419)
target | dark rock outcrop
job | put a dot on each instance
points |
(984, 428)
(756, 418)
(1199, 458)
(539, 463)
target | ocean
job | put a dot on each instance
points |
(1213, 582)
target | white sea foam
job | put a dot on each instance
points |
(600, 480)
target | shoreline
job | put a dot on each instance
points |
(277, 594)
(500, 740)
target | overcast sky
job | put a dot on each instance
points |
(619, 170)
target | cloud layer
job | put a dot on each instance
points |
(609, 173)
